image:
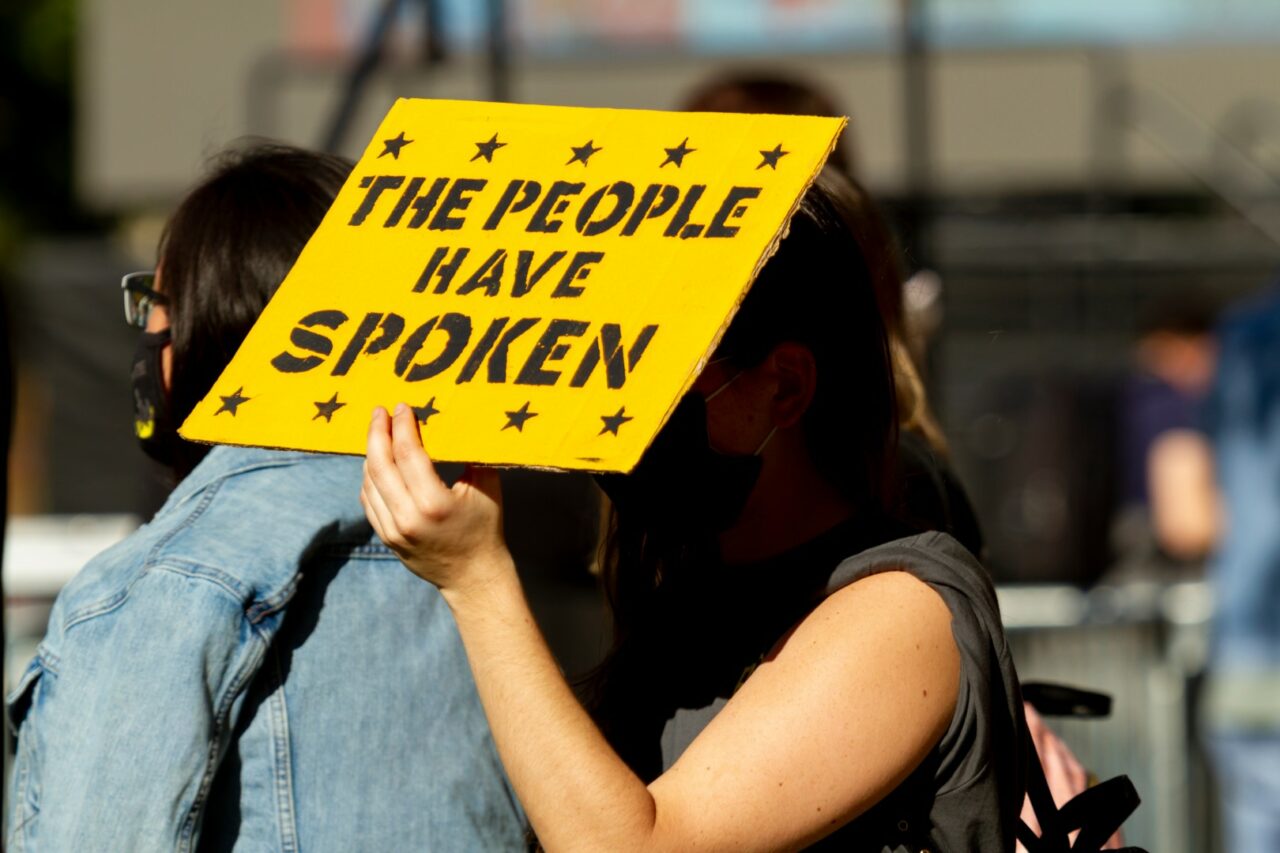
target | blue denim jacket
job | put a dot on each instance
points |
(1245, 424)
(253, 671)
(1242, 691)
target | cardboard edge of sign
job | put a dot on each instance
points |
(766, 253)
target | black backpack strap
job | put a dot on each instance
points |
(1051, 838)
(1097, 812)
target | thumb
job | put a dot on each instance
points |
(485, 480)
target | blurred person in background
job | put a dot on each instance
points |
(1169, 510)
(1242, 690)
(251, 669)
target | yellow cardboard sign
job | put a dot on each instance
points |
(542, 284)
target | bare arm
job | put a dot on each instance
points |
(1184, 498)
(845, 709)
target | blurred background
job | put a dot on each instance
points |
(1079, 188)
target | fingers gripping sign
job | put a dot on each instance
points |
(448, 535)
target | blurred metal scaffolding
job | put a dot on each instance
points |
(273, 72)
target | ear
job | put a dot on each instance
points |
(795, 374)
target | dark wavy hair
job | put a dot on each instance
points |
(226, 249)
(817, 291)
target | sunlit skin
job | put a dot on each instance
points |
(839, 714)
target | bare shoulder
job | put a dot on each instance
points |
(891, 601)
(829, 724)
(889, 633)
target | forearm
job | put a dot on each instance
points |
(804, 746)
(576, 790)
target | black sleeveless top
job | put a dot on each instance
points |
(967, 793)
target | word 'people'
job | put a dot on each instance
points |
(619, 207)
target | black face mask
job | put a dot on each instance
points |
(152, 417)
(682, 487)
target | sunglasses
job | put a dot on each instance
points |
(140, 296)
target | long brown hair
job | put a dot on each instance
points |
(884, 263)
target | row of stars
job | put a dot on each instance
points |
(581, 153)
(231, 404)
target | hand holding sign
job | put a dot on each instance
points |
(445, 535)
(541, 284)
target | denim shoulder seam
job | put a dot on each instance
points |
(365, 550)
(210, 489)
(222, 713)
(214, 578)
(272, 604)
(49, 660)
(209, 492)
(285, 795)
(248, 468)
(228, 583)
(113, 601)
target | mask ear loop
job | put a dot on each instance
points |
(713, 394)
(719, 390)
(767, 439)
(720, 360)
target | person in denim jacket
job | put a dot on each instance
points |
(252, 669)
(1242, 689)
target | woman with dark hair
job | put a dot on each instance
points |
(251, 669)
(222, 253)
(931, 495)
(788, 671)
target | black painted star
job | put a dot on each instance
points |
(393, 146)
(612, 422)
(582, 153)
(771, 158)
(486, 149)
(326, 410)
(517, 418)
(424, 413)
(676, 155)
(231, 403)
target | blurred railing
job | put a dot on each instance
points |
(42, 553)
(1144, 643)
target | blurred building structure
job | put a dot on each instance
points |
(1078, 159)
(1084, 96)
